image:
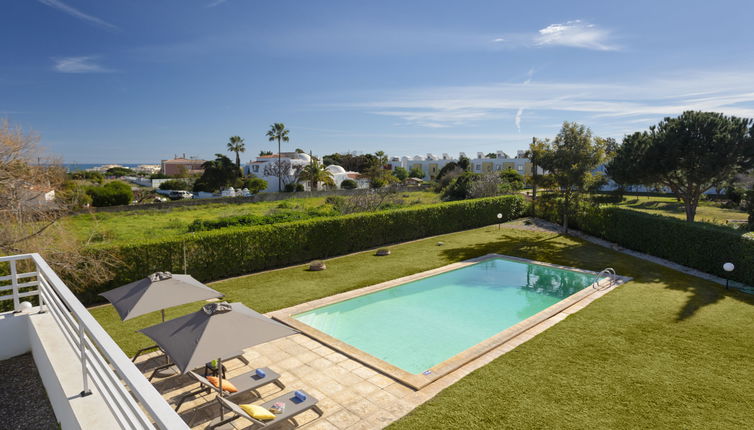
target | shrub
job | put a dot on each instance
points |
(113, 193)
(175, 184)
(348, 184)
(698, 245)
(255, 185)
(234, 251)
(290, 188)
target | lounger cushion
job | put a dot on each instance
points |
(257, 412)
(227, 385)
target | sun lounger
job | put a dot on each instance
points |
(247, 382)
(293, 407)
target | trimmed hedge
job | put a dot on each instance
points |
(236, 251)
(698, 245)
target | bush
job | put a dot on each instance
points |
(290, 188)
(175, 184)
(113, 193)
(255, 185)
(348, 184)
(87, 175)
(701, 246)
(234, 251)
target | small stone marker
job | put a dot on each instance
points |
(317, 265)
(382, 252)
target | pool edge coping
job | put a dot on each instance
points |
(419, 381)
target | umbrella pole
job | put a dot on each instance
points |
(220, 384)
(162, 312)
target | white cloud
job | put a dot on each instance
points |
(59, 5)
(576, 34)
(498, 40)
(85, 64)
(517, 119)
(214, 3)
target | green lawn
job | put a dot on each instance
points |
(669, 206)
(666, 350)
(124, 227)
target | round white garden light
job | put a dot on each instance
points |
(24, 307)
(499, 216)
(728, 267)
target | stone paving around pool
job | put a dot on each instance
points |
(351, 395)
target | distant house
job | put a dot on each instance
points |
(432, 164)
(265, 167)
(179, 165)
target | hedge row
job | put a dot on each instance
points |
(701, 246)
(236, 251)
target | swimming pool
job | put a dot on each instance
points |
(419, 326)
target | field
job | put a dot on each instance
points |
(124, 227)
(666, 350)
(708, 211)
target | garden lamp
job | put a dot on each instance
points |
(728, 267)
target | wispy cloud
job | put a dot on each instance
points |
(70, 10)
(214, 3)
(575, 34)
(85, 64)
(628, 102)
(520, 111)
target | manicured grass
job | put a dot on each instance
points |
(666, 350)
(710, 212)
(124, 227)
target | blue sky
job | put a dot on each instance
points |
(141, 80)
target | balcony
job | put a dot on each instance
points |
(88, 380)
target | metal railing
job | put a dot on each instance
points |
(608, 272)
(134, 402)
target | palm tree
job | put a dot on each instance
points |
(236, 145)
(278, 132)
(316, 172)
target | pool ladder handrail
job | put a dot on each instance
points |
(609, 272)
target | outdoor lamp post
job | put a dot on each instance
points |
(728, 267)
(499, 220)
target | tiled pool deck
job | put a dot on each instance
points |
(352, 395)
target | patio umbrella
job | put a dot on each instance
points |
(157, 292)
(217, 330)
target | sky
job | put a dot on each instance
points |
(137, 81)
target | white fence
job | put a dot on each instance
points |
(134, 402)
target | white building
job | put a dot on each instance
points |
(432, 164)
(265, 167)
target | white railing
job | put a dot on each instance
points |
(134, 402)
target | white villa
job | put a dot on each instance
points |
(265, 167)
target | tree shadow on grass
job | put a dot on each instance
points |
(574, 252)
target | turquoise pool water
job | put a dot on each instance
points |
(419, 324)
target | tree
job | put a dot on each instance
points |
(300, 151)
(115, 193)
(512, 178)
(278, 132)
(30, 222)
(461, 187)
(464, 163)
(570, 159)
(348, 184)
(536, 150)
(286, 172)
(491, 155)
(175, 184)
(416, 172)
(263, 153)
(401, 173)
(688, 154)
(218, 174)
(120, 171)
(316, 172)
(255, 185)
(236, 144)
